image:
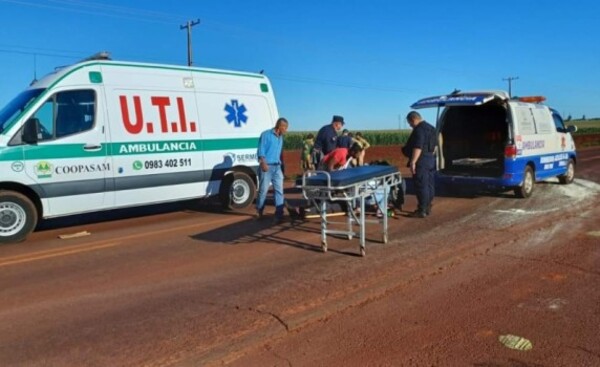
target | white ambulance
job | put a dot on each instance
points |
(488, 139)
(103, 134)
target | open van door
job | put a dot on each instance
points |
(459, 99)
(465, 134)
(453, 100)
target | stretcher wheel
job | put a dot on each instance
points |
(385, 238)
(324, 246)
(362, 252)
(349, 236)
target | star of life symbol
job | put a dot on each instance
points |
(236, 113)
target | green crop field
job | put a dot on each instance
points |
(586, 126)
(293, 139)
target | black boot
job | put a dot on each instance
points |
(417, 214)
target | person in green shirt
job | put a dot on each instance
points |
(306, 157)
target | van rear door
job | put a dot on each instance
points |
(458, 99)
(470, 143)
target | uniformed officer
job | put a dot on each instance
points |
(326, 140)
(344, 140)
(420, 150)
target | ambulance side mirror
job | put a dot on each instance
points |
(571, 128)
(30, 131)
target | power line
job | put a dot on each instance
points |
(131, 16)
(136, 12)
(73, 55)
(342, 84)
(121, 9)
(40, 54)
(115, 11)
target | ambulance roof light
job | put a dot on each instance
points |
(531, 99)
(102, 55)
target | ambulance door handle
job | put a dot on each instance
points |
(92, 148)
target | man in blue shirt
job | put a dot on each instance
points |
(270, 147)
(420, 150)
(326, 140)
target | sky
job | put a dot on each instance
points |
(365, 60)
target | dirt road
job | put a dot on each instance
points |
(198, 287)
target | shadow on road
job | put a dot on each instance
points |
(206, 205)
(471, 191)
(252, 231)
(197, 205)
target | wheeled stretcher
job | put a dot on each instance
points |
(350, 187)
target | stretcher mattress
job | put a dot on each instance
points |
(350, 176)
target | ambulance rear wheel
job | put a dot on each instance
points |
(526, 188)
(569, 176)
(18, 217)
(237, 191)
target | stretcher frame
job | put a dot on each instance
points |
(320, 195)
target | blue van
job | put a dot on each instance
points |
(492, 140)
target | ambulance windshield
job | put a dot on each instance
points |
(16, 107)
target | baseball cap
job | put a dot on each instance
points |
(337, 118)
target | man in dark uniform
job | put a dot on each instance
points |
(420, 150)
(326, 140)
(345, 140)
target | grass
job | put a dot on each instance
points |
(293, 140)
(585, 126)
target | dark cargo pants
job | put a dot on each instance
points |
(425, 182)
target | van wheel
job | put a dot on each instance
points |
(569, 176)
(526, 188)
(18, 217)
(237, 191)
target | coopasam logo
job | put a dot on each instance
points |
(43, 169)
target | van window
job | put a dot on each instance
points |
(17, 106)
(558, 122)
(543, 125)
(66, 113)
(525, 119)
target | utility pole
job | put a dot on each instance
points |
(188, 26)
(510, 79)
(34, 67)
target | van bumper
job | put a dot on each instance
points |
(508, 180)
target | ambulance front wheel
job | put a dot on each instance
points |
(237, 191)
(18, 216)
(569, 176)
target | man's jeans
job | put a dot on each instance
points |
(274, 176)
